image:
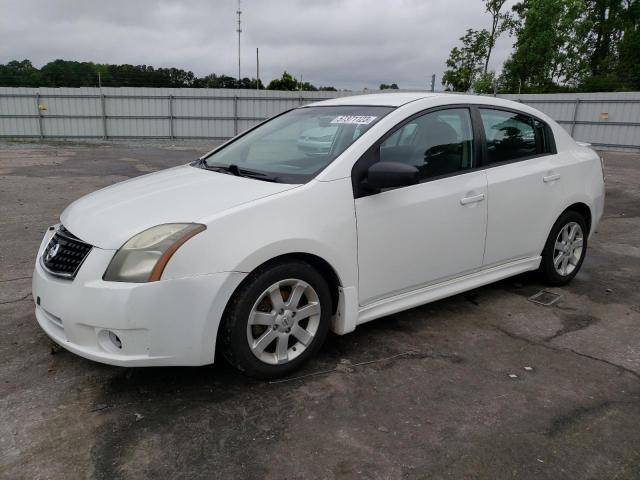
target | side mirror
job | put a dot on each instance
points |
(391, 174)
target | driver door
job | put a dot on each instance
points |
(415, 236)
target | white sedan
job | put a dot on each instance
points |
(258, 249)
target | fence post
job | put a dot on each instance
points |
(104, 116)
(575, 116)
(41, 132)
(235, 115)
(171, 136)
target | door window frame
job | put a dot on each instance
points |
(372, 155)
(480, 155)
(533, 118)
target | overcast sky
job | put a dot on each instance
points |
(345, 43)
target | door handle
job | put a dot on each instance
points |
(551, 178)
(473, 199)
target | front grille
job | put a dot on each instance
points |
(64, 254)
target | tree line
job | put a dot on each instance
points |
(68, 73)
(559, 46)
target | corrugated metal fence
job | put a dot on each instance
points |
(181, 113)
(607, 120)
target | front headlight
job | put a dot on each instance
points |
(143, 257)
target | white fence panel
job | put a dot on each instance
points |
(607, 120)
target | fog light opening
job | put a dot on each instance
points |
(109, 341)
(115, 339)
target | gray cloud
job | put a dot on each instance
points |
(345, 43)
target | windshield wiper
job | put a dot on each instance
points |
(216, 167)
(243, 172)
(239, 172)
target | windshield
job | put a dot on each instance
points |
(296, 146)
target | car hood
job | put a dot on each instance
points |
(109, 217)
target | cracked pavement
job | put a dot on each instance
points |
(439, 391)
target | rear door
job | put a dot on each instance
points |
(525, 184)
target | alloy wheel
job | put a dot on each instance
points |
(283, 321)
(567, 250)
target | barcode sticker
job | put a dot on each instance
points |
(354, 119)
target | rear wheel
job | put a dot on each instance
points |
(565, 249)
(277, 320)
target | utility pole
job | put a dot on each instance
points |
(433, 82)
(257, 69)
(239, 30)
(99, 80)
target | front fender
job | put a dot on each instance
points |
(317, 218)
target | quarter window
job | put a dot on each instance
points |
(543, 137)
(509, 135)
(437, 143)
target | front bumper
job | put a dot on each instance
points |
(170, 322)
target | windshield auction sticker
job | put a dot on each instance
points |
(354, 119)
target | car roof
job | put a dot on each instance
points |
(429, 99)
(402, 98)
(378, 99)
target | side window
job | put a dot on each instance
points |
(437, 143)
(509, 135)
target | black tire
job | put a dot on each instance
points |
(233, 337)
(547, 269)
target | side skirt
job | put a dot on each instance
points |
(438, 291)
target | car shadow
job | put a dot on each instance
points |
(369, 342)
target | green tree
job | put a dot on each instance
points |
(225, 81)
(216, 81)
(467, 62)
(627, 70)
(19, 74)
(580, 45)
(393, 86)
(250, 84)
(286, 82)
(173, 77)
(604, 34)
(544, 58)
(307, 87)
(484, 83)
(68, 73)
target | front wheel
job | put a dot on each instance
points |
(565, 249)
(277, 320)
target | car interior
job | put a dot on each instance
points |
(436, 144)
(509, 136)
